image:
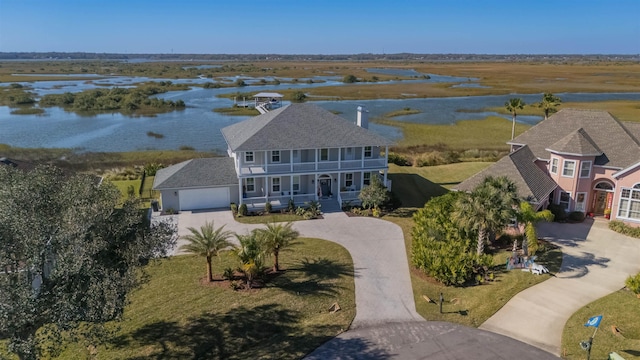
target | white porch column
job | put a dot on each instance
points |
(240, 192)
(266, 191)
(362, 179)
(291, 187)
(362, 157)
(339, 186)
(385, 178)
(316, 152)
(266, 164)
(339, 158)
(315, 182)
(291, 159)
(386, 156)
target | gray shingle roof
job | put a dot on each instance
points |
(577, 143)
(298, 126)
(619, 147)
(520, 167)
(197, 173)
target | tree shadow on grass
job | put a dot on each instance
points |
(413, 190)
(267, 331)
(315, 279)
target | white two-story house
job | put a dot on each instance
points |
(300, 152)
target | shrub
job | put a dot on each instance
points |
(291, 206)
(622, 228)
(349, 79)
(227, 274)
(576, 216)
(398, 159)
(234, 208)
(633, 283)
(268, 207)
(298, 96)
(558, 212)
(242, 210)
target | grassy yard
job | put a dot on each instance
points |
(470, 305)
(175, 315)
(620, 309)
(147, 193)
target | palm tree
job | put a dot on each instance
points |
(276, 238)
(528, 216)
(513, 105)
(549, 103)
(251, 255)
(207, 242)
(487, 208)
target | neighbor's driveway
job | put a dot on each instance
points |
(595, 262)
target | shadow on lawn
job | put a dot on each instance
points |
(413, 190)
(266, 331)
(316, 273)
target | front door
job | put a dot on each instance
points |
(601, 202)
(325, 187)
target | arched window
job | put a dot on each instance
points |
(630, 203)
(603, 185)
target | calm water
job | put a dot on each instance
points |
(199, 127)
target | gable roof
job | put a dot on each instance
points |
(298, 126)
(577, 143)
(519, 166)
(196, 173)
(618, 146)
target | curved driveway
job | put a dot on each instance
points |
(386, 323)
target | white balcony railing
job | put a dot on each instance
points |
(311, 166)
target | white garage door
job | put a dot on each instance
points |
(204, 198)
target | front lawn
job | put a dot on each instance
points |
(620, 310)
(175, 315)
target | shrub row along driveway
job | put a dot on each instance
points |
(595, 262)
(386, 323)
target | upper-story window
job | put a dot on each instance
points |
(585, 169)
(248, 156)
(554, 165)
(275, 156)
(368, 151)
(324, 154)
(568, 168)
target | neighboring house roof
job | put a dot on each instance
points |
(519, 166)
(616, 141)
(298, 126)
(578, 143)
(197, 173)
(268, 94)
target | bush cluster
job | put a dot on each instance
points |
(399, 160)
(559, 214)
(622, 228)
(633, 283)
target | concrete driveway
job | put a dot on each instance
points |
(386, 323)
(596, 261)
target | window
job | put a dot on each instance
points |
(554, 165)
(275, 184)
(569, 168)
(581, 199)
(368, 151)
(585, 169)
(248, 156)
(249, 185)
(295, 186)
(366, 179)
(630, 203)
(565, 200)
(348, 180)
(324, 154)
(275, 156)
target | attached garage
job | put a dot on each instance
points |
(197, 184)
(197, 199)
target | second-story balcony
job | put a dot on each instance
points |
(302, 167)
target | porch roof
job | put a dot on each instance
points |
(298, 126)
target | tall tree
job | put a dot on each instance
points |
(207, 242)
(277, 237)
(489, 207)
(512, 106)
(251, 255)
(549, 103)
(529, 217)
(67, 254)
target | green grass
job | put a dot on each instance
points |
(473, 304)
(620, 309)
(491, 133)
(147, 193)
(27, 111)
(268, 218)
(238, 111)
(405, 111)
(174, 315)
(414, 186)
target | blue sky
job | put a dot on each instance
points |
(322, 27)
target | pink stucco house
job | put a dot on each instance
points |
(584, 160)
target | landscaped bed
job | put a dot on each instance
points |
(175, 316)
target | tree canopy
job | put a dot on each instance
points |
(549, 103)
(69, 253)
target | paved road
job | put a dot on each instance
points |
(386, 323)
(596, 261)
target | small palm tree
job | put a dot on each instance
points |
(207, 242)
(276, 238)
(528, 216)
(251, 255)
(513, 105)
(549, 103)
